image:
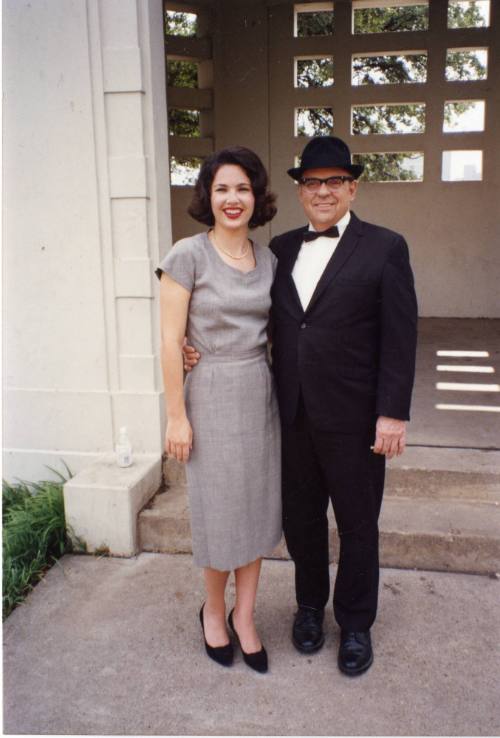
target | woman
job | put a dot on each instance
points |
(215, 288)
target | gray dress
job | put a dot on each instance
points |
(233, 473)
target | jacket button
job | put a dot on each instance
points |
(303, 325)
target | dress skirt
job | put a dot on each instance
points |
(233, 471)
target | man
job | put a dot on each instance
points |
(344, 337)
(344, 322)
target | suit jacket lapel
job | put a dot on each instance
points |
(344, 249)
(289, 258)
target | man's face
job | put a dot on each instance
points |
(326, 206)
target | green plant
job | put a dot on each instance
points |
(12, 495)
(34, 536)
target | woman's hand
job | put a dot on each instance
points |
(179, 438)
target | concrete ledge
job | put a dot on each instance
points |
(103, 501)
(421, 473)
(450, 467)
(463, 460)
(436, 535)
(435, 484)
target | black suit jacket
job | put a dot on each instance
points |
(352, 352)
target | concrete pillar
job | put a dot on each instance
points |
(87, 202)
(88, 214)
(127, 65)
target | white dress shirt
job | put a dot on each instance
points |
(312, 260)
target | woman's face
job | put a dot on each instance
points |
(231, 197)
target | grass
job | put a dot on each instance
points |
(34, 536)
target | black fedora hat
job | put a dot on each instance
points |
(324, 152)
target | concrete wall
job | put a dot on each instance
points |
(234, 40)
(199, 50)
(86, 216)
(453, 228)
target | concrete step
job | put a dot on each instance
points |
(441, 512)
(443, 534)
(422, 471)
(444, 473)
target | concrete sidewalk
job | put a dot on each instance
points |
(114, 646)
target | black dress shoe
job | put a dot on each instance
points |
(257, 660)
(307, 632)
(355, 652)
(223, 655)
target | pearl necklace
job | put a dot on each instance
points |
(228, 253)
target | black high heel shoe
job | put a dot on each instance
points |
(223, 655)
(257, 660)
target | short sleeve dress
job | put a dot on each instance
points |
(233, 472)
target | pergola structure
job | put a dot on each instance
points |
(250, 92)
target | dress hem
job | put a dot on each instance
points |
(238, 565)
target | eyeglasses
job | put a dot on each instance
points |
(313, 184)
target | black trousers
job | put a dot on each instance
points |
(318, 467)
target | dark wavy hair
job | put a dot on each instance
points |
(264, 210)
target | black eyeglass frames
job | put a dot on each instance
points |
(312, 184)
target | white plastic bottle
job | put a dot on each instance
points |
(123, 449)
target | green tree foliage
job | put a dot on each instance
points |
(314, 121)
(184, 122)
(383, 20)
(404, 118)
(388, 167)
(180, 24)
(315, 24)
(184, 170)
(389, 69)
(316, 72)
(182, 73)
(465, 15)
(464, 65)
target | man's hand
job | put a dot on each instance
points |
(191, 356)
(390, 437)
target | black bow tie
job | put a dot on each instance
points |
(332, 232)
